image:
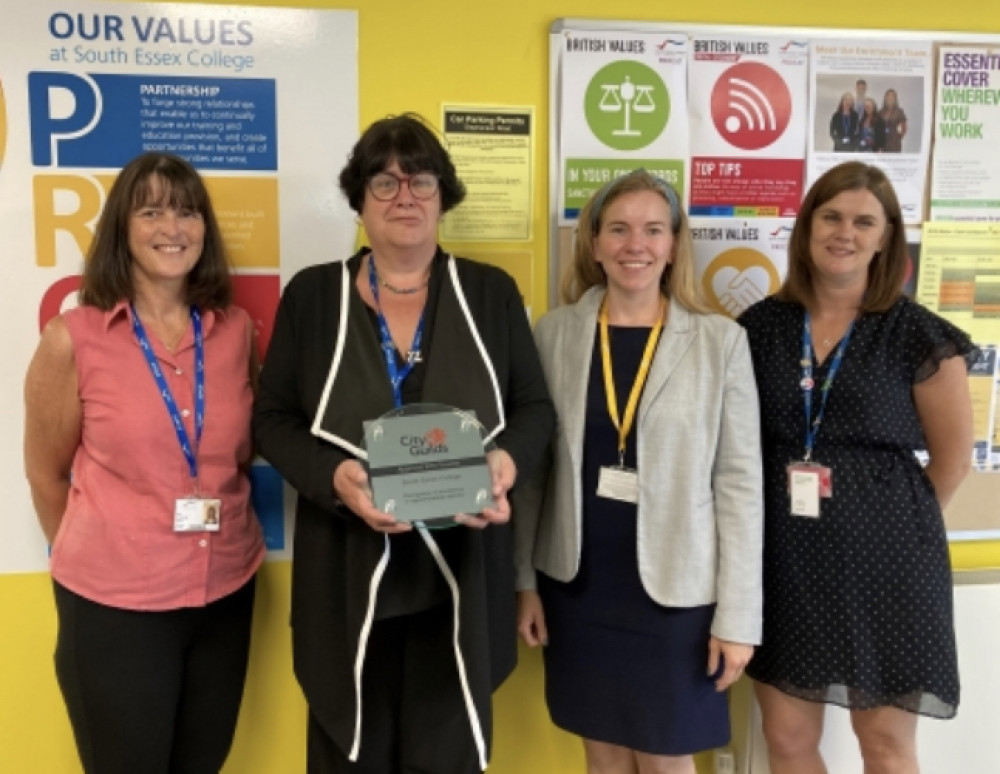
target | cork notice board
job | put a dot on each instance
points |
(974, 512)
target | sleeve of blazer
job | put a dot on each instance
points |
(282, 418)
(738, 490)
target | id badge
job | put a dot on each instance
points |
(807, 483)
(197, 514)
(618, 484)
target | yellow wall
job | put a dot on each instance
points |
(413, 55)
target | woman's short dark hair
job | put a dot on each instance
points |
(887, 270)
(107, 276)
(413, 145)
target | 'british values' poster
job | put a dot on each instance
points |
(748, 125)
(623, 106)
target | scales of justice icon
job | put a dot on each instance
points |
(627, 96)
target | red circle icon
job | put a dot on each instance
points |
(751, 105)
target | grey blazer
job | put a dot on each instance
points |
(700, 507)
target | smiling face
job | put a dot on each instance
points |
(403, 222)
(635, 244)
(845, 234)
(165, 242)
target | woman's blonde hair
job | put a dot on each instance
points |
(677, 281)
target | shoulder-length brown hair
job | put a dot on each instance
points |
(676, 282)
(887, 269)
(107, 276)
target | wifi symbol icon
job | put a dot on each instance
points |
(751, 105)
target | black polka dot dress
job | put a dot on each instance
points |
(857, 603)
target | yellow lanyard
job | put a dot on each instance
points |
(623, 426)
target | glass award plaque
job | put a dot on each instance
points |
(427, 463)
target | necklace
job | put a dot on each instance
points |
(402, 291)
(395, 289)
(170, 335)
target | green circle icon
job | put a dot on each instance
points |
(627, 105)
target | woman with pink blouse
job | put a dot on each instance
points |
(137, 447)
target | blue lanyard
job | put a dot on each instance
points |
(190, 454)
(396, 376)
(807, 384)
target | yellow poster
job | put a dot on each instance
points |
(492, 151)
(960, 276)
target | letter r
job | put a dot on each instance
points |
(65, 203)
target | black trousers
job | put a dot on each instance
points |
(153, 692)
(414, 719)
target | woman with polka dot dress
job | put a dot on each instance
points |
(853, 378)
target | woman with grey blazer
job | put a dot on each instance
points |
(638, 546)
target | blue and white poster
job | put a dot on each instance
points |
(243, 93)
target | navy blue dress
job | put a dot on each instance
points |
(619, 667)
(857, 603)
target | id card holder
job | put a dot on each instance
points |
(807, 483)
(618, 483)
(197, 514)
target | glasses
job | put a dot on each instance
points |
(385, 185)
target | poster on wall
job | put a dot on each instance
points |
(965, 178)
(86, 87)
(748, 120)
(740, 262)
(960, 276)
(871, 101)
(623, 105)
(491, 147)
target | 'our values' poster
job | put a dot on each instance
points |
(242, 93)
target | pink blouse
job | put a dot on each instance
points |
(116, 544)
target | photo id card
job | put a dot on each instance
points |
(824, 473)
(618, 484)
(807, 483)
(197, 514)
(803, 490)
